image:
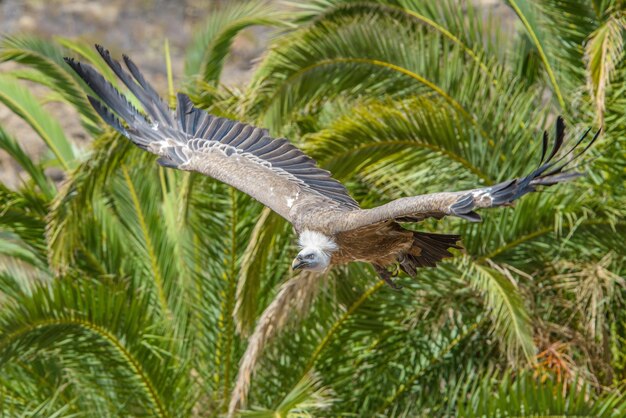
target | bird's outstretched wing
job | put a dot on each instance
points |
(553, 168)
(272, 171)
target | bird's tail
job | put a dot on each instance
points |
(427, 250)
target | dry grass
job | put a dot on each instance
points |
(292, 301)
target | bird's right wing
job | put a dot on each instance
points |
(273, 171)
(551, 170)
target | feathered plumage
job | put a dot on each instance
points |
(280, 176)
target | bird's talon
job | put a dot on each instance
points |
(391, 283)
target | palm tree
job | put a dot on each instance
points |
(129, 289)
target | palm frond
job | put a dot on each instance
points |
(15, 151)
(511, 320)
(142, 291)
(205, 58)
(306, 399)
(352, 57)
(103, 328)
(77, 193)
(293, 298)
(603, 52)
(26, 106)
(22, 221)
(445, 18)
(47, 59)
(262, 256)
(525, 394)
(526, 12)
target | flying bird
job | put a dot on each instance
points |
(331, 226)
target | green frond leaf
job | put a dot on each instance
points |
(100, 327)
(47, 59)
(603, 52)
(82, 186)
(308, 398)
(263, 247)
(15, 151)
(527, 15)
(26, 106)
(434, 16)
(206, 56)
(511, 320)
(528, 395)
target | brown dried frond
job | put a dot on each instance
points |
(594, 288)
(292, 301)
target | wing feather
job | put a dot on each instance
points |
(463, 204)
(271, 170)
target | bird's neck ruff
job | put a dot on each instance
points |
(313, 239)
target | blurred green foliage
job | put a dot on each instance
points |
(133, 290)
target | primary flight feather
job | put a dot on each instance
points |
(332, 228)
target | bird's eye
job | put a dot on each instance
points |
(308, 257)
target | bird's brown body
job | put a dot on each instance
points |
(376, 244)
(389, 244)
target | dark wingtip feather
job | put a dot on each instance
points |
(556, 178)
(101, 50)
(593, 140)
(75, 65)
(158, 108)
(560, 128)
(470, 216)
(106, 115)
(106, 92)
(555, 168)
(560, 136)
(549, 173)
(552, 173)
(134, 70)
(106, 55)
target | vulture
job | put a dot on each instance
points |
(332, 229)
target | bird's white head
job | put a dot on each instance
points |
(316, 251)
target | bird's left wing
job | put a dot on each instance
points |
(552, 170)
(272, 171)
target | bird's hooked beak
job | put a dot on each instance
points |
(298, 263)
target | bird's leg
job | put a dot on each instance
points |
(386, 275)
(396, 271)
